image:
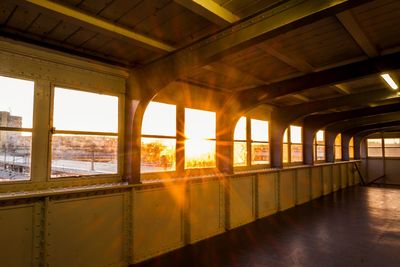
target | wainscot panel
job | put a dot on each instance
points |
(157, 220)
(316, 182)
(267, 194)
(303, 178)
(327, 179)
(287, 189)
(241, 200)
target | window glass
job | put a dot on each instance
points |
(285, 136)
(240, 154)
(16, 111)
(158, 154)
(320, 136)
(240, 130)
(392, 147)
(320, 152)
(295, 134)
(338, 147)
(159, 119)
(200, 124)
(374, 147)
(82, 111)
(259, 153)
(15, 155)
(200, 127)
(16, 103)
(89, 153)
(259, 130)
(351, 148)
(80, 155)
(285, 153)
(200, 153)
(296, 153)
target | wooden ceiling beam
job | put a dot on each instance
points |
(98, 24)
(245, 33)
(210, 10)
(348, 21)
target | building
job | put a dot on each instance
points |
(256, 127)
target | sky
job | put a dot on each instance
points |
(16, 97)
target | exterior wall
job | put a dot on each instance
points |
(120, 224)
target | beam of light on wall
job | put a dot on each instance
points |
(389, 81)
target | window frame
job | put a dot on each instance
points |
(118, 134)
(31, 130)
(289, 144)
(382, 146)
(316, 145)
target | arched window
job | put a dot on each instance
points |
(158, 149)
(259, 142)
(240, 143)
(292, 145)
(319, 146)
(338, 147)
(351, 148)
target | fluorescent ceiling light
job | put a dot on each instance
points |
(389, 80)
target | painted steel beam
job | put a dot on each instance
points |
(103, 25)
(245, 33)
(363, 131)
(210, 10)
(344, 126)
(321, 121)
(348, 21)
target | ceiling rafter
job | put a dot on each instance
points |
(350, 23)
(96, 23)
(210, 10)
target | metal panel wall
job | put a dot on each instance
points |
(86, 231)
(336, 172)
(344, 175)
(303, 186)
(205, 209)
(287, 192)
(316, 182)
(327, 179)
(157, 220)
(242, 198)
(267, 194)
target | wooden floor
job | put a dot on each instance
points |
(359, 226)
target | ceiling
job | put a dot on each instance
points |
(136, 34)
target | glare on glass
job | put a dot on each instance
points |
(259, 130)
(392, 147)
(338, 140)
(16, 102)
(320, 152)
(200, 154)
(285, 153)
(159, 119)
(15, 155)
(157, 154)
(78, 155)
(240, 154)
(82, 111)
(295, 134)
(285, 136)
(200, 124)
(338, 152)
(320, 136)
(377, 142)
(240, 129)
(375, 152)
(259, 153)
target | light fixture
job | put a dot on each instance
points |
(390, 81)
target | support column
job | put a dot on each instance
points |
(345, 146)
(225, 129)
(277, 128)
(330, 146)
(308, 138)
(357, 147)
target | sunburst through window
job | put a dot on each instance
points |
(200, 144)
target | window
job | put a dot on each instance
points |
(338, 147)
(392, 147)
(259, 142)
(200, 144)
(85, 134)
(351, 148)
(292, 145)
(16, 114)
(319, 146)
(158, 142)
(240, 143)
(374, 147)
